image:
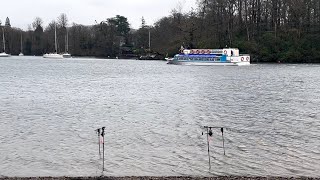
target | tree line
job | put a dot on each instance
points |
(269, 30)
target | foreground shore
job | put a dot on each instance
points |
(158, 178)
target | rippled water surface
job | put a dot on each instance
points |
(153, 113)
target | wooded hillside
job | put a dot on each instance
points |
(270, 30)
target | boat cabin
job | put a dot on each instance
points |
(231, 51)
(220, 52)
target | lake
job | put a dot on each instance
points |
(154, 114)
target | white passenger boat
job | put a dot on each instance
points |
(224, 57)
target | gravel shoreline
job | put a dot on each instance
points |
(159, 178)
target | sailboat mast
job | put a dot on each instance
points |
(4, 42)
(149, 40)
(21, 43)
(55, 37)
(65, 46)
(67, 41)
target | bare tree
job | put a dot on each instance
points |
(37, 23)
(63, 20)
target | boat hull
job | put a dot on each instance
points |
(4, 54)
(66, 55)
(53, 56)
(211, 57)
(205, 63)
(169, 60)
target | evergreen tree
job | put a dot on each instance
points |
(121, 23)
(7, 22)
(143, 22)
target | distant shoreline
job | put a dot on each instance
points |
(160, 178)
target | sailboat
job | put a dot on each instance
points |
(54, 55)
(21, 54)
(4, 54)
(66, 54)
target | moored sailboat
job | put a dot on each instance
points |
(54, 55)
(66, 54)
(4, 54)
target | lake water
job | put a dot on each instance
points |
(153, 114)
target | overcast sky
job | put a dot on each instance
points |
(22, 12)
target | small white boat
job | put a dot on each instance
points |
(54, 55)
(4, 54)
(169, 60)
(66, 55)
(215, 57)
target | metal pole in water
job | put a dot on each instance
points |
(224, 151)
(208, 148)
(209, 133)
(98, 131)
(102, 134)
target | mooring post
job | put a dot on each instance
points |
(102, 134)
(98, 131)
(209, 133)
(224, 151)
(208, 148)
